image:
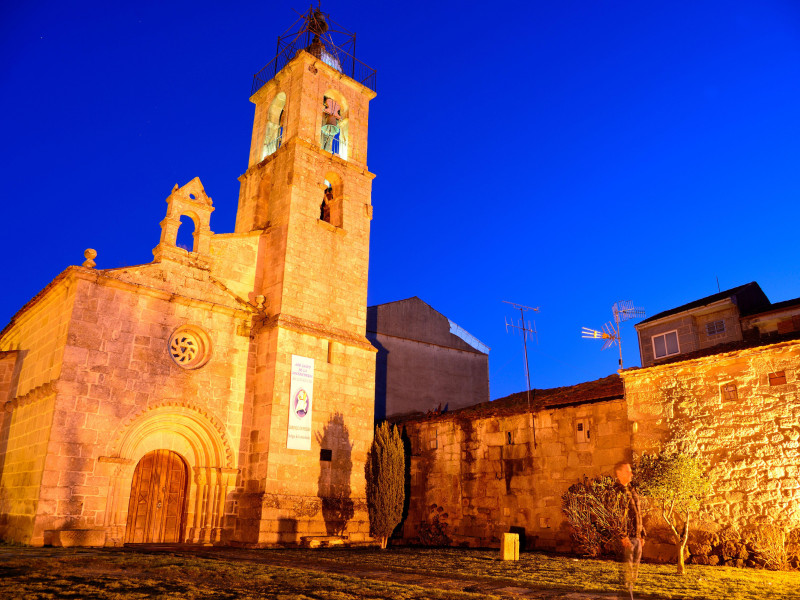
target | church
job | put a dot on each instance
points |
(223, 393)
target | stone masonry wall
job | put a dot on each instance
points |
(303, 495)
(488, 477)
(235, 263)
(116, 368)
(37, 336)
(8, 363)
(484, 474)
(751, 443)
(26, 434)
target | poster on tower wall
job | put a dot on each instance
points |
(301, 403)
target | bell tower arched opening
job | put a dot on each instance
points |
(312, 274)
(185, 236)
(335, 124)
(273, 136)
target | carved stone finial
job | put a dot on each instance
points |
(260, 302)
(90, 254)
(175, 189)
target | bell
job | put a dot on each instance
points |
(332, 120)
(330, 129)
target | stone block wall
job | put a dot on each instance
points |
(325, 277)
(487, 475)
(25, 437)
(750, 442)
(733, 329)
(117, 374)
(739, 411)
(38, 333)
(235, 262)
(8, 363)
(32, 345)
(299, 494)
(691, 330)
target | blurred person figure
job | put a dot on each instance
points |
(630, 547)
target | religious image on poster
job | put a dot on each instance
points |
(301, 403)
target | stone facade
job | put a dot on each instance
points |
(739, 411)
(482, 466)
(190, 357)
(737, 416)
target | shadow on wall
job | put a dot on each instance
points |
(287, 531)
(381, 367)
(336, 466)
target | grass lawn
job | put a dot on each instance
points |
(566, 573)
(38, 574)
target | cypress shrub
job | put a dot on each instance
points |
(385, 475)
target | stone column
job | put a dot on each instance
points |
(200, 484)
(208, 506)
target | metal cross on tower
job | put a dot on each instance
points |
(526, 329)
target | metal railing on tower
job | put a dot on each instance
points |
(316, 33)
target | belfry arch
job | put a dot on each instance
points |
(335, 123)
(200, 442)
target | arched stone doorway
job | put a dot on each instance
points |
(200, 442)
(157, 506)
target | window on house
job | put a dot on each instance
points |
(665, 344)
(325, 454)
(509, 438)
(729, 391)
(715, 327)
(777, 378)
(788, 326)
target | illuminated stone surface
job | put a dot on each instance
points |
(89, 380)
(480, 464)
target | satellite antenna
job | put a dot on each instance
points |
(611, 332)
(526, 328)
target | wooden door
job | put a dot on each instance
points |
(158, 495)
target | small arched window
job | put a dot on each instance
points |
(273, 136)
(327, 200)
(330, 208)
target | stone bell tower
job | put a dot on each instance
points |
(307, 190)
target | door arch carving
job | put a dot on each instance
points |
(157, 502)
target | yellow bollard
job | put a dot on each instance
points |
(509, 546)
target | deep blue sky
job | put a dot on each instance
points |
(558, 154)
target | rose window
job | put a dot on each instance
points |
(189, 347)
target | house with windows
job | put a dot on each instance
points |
(741, 315)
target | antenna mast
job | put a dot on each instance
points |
(525, 329)
(623, 310)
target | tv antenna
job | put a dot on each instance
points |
(611, 332)
(525, 328)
